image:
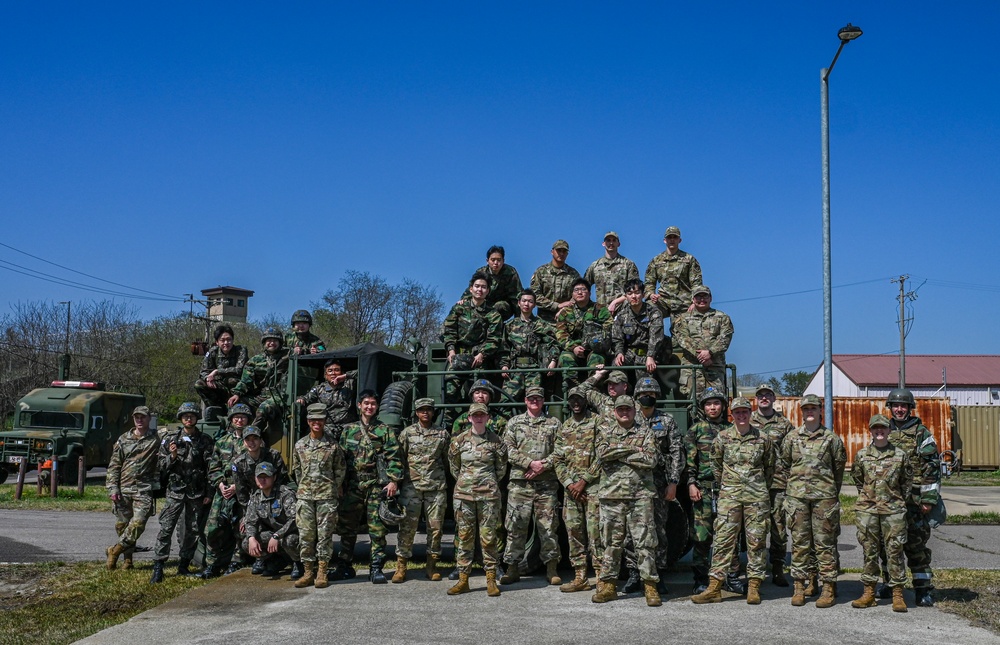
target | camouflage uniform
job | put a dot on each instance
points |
(776, 427)
(712, 330)
(677, 274)
(262, 385)
(884, 479)
(305, 341)
(637, 336)
(698, 451)
(669, 465)
(527, 344)
(319, 468)
(187, 490)
(424, 486)
(469, 330)
(743, 466)
(133, 470)
(609, 275)
(496, 424)
(812, 464)
(478, 463)
(574, 454)
(228, 369)
(272, 516)
(532, 439)
(504, 289)
(243, 467)
(552, 285)
(587, 326)
(361, 444)
(339, 402)
(222, 532)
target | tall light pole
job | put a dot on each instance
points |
(846, 35)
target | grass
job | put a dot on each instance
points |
(95, 498)
(847, 515)
(966, 478)
(972, 594)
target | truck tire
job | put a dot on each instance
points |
(396, 405)
(678, 533)
(3, 474)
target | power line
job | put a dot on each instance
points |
(797, 293)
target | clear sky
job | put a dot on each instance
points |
(171, 147)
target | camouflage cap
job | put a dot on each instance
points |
(700, 289)
(612, 234)
(810, 399)
(478, 407)
(534, 390)
(264, 468)
(141, 409)
(560, 244)
(764, 387)
(316, 411)
(251, 431)
(739, 403)
(624, 401)
(617, 376)
(425, 402)
(576, 391)
(878, 420)
(672, 230)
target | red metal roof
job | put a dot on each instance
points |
(921, 369)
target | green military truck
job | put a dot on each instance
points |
(62, 422)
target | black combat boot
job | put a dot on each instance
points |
(735, 584)
(345, 571)
(234, 566)
(210, 571)
(661, 586)
(375, 573)
(700, 580)
(157, 576)
(184, 568)
(258, 567)
(296, 571)
(634, 583)
(454, 573)
(922, 596)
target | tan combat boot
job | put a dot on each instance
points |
(799, 593)
(867, 599)
(431, 568)
(113, 552)
(552, 573)
(322, 579)
(462, 586)
(400, 575)
(712, 594)
(827, 598)
(579, 583)
(898, 603)
(308, 577)
(812, 586)
(605, 592)
(753, 591)
(491, 584)
(652, 595)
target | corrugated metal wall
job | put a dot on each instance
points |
(977, 435)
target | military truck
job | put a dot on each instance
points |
(64, 421)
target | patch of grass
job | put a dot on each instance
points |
(847, 515)
(966, 478)
(95, 498)
(973, 594)
(61, 603)
(976, 517)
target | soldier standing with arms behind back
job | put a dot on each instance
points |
(132, 472)
(553, 283)
(610, 273)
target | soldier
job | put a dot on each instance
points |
(677, 273)
(425, 450)
(610, 273)
(703, 336)
(504, 283)
(583, 331)
(884, 477)
(271, 533)
(776, 426)
(473, 334)
(319, 468)
(336, 392)
(185, 455)
(221, 368)
(245, 468)
(222, 532)
(743, 465)
(553, 283)
(604, 404)
(480, 392)
(574, 454)
(370, 447)
(300, 340)
(529, 342)
(533, 488)
(812, 465)
(626, 456)
(637, 333)
(132, 472)
(477, 459)
(262, 383)
(909, 434)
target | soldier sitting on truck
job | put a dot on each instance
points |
(300, 340)
(583, 331)
(221, 368)
(263, 382)
(337, 394)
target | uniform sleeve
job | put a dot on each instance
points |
(649, 282)
(927, 470)
(542, 301)
(656, 336)
(839, 462)
(501, 461)
(288, 503)
(908, 475)
(784, 464)
(646, 456)
(770, 459)
(718, 456)
(339, 468)
(114, 474)
(393, 456)
(564, 330)
(514, 456)
(450, 335)
(494, 334)
(674, 457)
(251, 519)
(858, 473)
(720, 342)
(246, 385)
(514, 290)
(208, 363)
(559, 461)
(454, 459)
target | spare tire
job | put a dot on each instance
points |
(396, 405)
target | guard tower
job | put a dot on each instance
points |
(227, 304)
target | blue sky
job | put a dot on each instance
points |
(181, 146)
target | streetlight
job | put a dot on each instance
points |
(846, 35)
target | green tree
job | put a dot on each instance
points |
(794, 383)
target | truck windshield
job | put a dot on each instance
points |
(46, 419)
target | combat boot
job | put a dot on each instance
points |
(113, 552)
(605, 592)
(322, 582)
(634, 583)
(828, 597)
(753, 591)
(431, 569)
(884, 590)
(491, 584)
(812, 586)
(867, 599)
(258, 567)
(375, 573)
(512, 575)
(462, 586)
(308, 576)
(210, 571)
(455, 573)
(898, 603)
(552, 573)
(233, 567)
(700, 579)
(579, 583)
(652, 595)
(735, 584)
(778, 575)
(157, 576)
(799, 593)
(712, 594)
(400, 575)
(184, 568)
(661, 586)
(297, 571)
(127, 559)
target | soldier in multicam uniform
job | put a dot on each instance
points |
(425, 450)
(478, 460)
(533, 488)
(244, 473)
(626, 456)
(574, 454)
(221, 368)
(637, 333)
(185, 455)
(775, 425)
(883, 474)
(300, 340)
(553, 283)
(529, 342)
(365, 443)
(336, 392)
(132, 472)
(319, 468)
(677, 273)
(610, 273)
(222, 532)
(743, 461)
(262, 383)
(908, 433)
(812, 461)
(703, 336)
(480, 392)
(504, 282)
(601, 403)
(584, 333)
(271, 533)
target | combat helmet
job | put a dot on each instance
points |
(647, 385)
(271, 332)
(900, 395)
(188, 408)
(302, 316)
(709, 394)
(240, 408)
(391, 511)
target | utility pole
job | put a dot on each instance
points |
(64, 360)
(903, 320)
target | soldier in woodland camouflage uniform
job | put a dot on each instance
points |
(637, 333)
(743, 461)
(221, 368)
(812, 464)
(132, 472)
(553, 283)
(776, 426)
(365, 443)
(336, 392)
(574, 454)
(626, 456)
(319, 468)
(583, 332)
(504, 282)
(478, 459)
(883, 474)
(610, 273)
(425, 450)
(677, 273)
(529, 342)
(533, 488)
(270, 524)
(222, 532)
(263, 382)
(300, 340)
(703, 336)
(473, 334)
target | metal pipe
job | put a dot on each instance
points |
(22, 470)
(827, 280)
(54, 480)
(81, 475)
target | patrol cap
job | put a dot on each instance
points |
(612, 234)
(425, 402)
(251, 431)
(576, 391)
(878, 420)
(740, 403)
(141, 409)
(672, 230)
(535, 390)
(624, 401)
(764, 388)
(701, 289)
(617, 376)
(560, 244)
(315, 411)
(264, 468)
(478, 407)
(810, 399)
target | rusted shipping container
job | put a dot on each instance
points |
(977, 436)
